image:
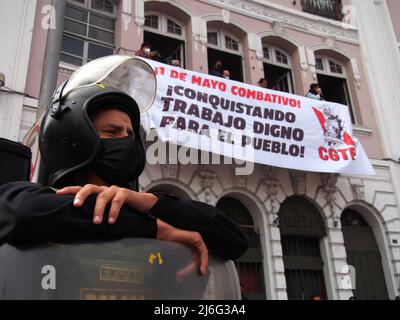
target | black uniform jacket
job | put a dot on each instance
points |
(31, 213)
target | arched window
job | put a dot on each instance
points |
(227, 47)
(250, 265)
(89, 31)
(164, 24)
(328, 66)
(332, 78)
(275, 55)
(223, 40)
(277, 67)
(166, 35)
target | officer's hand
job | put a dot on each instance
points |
(192, 239)
(114, 195)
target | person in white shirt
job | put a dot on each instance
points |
(315, 92)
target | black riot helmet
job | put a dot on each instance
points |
(68, 140)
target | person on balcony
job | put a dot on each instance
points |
(216, 69)
(146, 52)
(226, 74)
(263, 83)
(315, 92)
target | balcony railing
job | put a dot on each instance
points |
(331, 9)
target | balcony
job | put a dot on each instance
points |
(331, 9)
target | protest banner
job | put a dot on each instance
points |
(250, 123)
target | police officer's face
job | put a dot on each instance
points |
(112, 123)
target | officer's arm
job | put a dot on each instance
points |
(31, 213)
(221, 236)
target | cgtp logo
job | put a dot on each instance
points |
(333, 127)
(341, 146)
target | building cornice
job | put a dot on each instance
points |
(290, 18)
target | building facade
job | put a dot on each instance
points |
(307, 231)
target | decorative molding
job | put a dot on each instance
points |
(254, 43)
(240, 181)
(170, 171)
(303, 58)
(290, 18)
(362, 131)
(329, 186)
(330, 41)
(311, 62)
(199, 31)
(127, 6)
(278, 27)
(206, 182)
(139, 13)
(358, 190)
(127, 13)
(356, 72)
(271, 189)
(298, 179)
(226, 16)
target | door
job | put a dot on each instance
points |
(302, 228)
(303, 268)
(363, 254)
(250, 265)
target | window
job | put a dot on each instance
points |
(173, 27)
(266, 54)
(277, 68)
(160, 23)
(223, 40)
(231, 43)
(88, 34)
(319, 64)
(281, 57)
(212, 37)
(332, 79)
(329, 66)
(103, 5)
(335, 67)
(151, 21)
(275, 55)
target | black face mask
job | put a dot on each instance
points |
(116, 161)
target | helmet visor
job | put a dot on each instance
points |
(133, 75)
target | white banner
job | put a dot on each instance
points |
(250, 123)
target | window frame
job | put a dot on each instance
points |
(221, 38)
(272, 60)
(344, 76)
(327, 70)
(87, 39)
(88, 5)
(272, 56)
(163, 25)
